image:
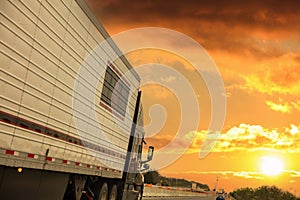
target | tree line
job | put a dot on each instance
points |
(153, 177)
(262, 193)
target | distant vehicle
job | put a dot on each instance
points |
(48, 148)
(220, 198)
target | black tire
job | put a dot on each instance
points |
(103, 194)
(113, 193)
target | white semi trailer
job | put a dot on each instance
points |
(57, 141)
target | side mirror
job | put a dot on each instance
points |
(150, 153)
(145, 167)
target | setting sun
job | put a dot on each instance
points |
(271, 166)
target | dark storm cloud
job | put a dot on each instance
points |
(232, 25)
(231, 12)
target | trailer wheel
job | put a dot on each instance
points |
(103, 194)
(113, 193)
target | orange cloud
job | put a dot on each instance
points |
(244, 137)
(277, 76)
(295, 173)
(157, 91)
(286, 107)
(245, 174)
(251, 138)
(293, 130)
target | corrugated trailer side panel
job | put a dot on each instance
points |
(43, 45)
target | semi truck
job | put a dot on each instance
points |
(69, 128)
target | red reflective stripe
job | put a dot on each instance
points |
(48, 158)
(77, 163)
(88, 166)
(41, 129)
(98, 167)
(30, 155)
(65, 162)
(11, 152)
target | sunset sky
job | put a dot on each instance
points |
(256, 48)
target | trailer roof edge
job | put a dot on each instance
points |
(86, 9)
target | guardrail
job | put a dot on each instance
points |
(165, 191)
